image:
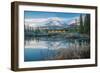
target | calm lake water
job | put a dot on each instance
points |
(53, 48)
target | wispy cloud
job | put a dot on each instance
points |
(41, 21)
(35, 20)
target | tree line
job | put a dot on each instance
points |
(84, 27)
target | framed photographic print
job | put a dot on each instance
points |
(52, 36)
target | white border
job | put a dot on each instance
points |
(23, 64)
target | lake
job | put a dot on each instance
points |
(55, 48)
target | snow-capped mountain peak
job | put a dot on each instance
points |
(55, 21)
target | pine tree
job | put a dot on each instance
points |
(81, 27)
(87, 24)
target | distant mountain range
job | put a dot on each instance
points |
(52, 23)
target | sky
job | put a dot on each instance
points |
(40, 14)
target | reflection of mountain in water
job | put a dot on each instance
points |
(51, 48)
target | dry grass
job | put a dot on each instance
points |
(73, 52)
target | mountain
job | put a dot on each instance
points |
(75, 21)
(51, 23)
(55, 23)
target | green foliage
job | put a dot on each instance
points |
(81, 27)
(73, 30)
(87, 24)
(84, 24)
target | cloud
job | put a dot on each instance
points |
(35, 20)
(41, 21)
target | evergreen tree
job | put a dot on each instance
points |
(87, 24)
(81, 27)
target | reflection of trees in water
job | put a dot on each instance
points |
(63, 48)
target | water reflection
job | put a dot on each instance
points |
(56, 48)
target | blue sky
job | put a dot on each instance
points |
(40, 14)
